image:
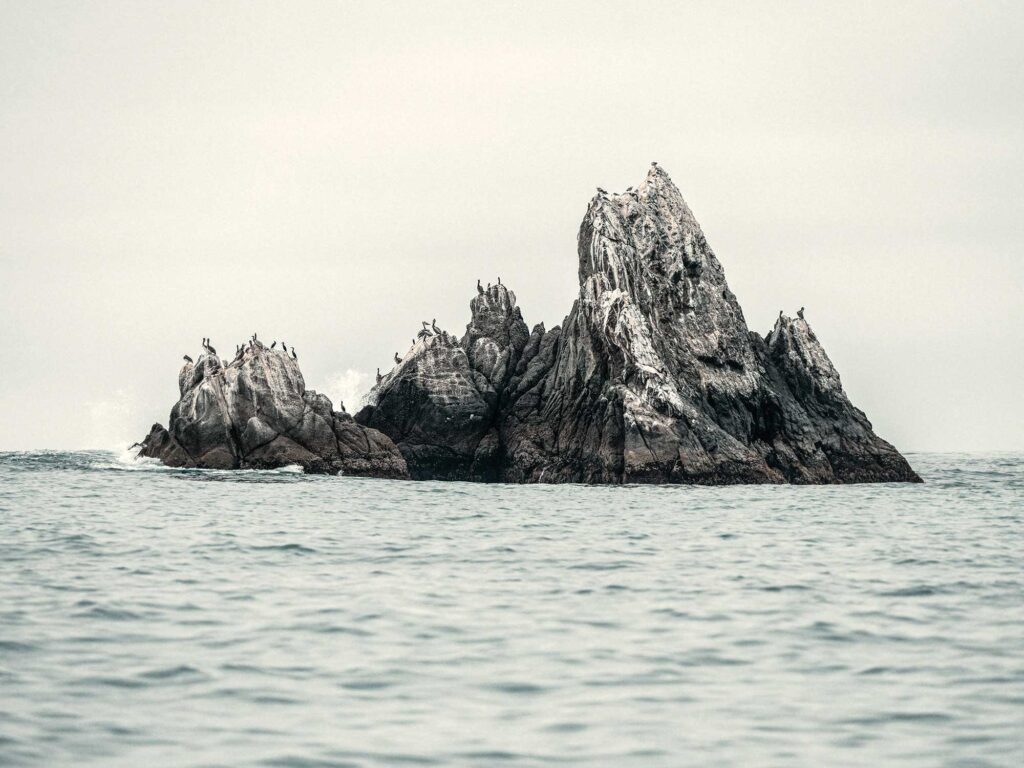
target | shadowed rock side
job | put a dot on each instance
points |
(257, 413)
(652, 377)
(441, 403)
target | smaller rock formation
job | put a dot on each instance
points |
(440, 403)
(256, 413)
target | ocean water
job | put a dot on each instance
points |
(157, 617)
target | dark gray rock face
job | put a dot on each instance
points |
(653, 377)
(441, 403)
(256, 412)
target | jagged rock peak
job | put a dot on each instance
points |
(655, 376)
(440, 404)
(794, 347)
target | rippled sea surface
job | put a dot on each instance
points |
(156, 617)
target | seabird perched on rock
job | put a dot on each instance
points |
(424, 323)
(800, 313)
(433, 326)
(284, 346)
(273, 345)
(379, 377)
(188, 359)
(601, 191)
(397, 358)
(780, 314)
(499, 279)
(294, 356)
(479, 288)
(210, 348)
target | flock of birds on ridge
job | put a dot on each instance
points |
(252, 344)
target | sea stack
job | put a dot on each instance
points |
(653, 377)
(256, 413)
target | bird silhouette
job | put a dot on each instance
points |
(188, 359)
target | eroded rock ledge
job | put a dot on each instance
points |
(653, 377)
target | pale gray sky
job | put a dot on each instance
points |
(333, 173)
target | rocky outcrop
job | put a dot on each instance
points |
(653, 377)
(255, 412)
(441, 403)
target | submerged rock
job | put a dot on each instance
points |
(256, 412)
(653, 377)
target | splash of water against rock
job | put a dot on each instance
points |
(653, 377)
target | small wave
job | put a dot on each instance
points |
(15, 646)
(613, 566)
(922, 590)
(167, 673)
(517, 688)
(299, 548)
(102, 612)
(366, 685)
(784, 588)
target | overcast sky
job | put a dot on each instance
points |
(330, 174)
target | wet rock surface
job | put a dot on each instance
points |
(653, 377)
(256, 413)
